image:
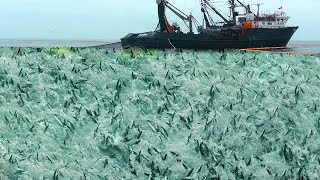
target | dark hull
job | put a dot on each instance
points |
(235, 39)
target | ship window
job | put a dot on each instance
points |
(278, 19)
(281, 19)
(269, 23)
(263, 23)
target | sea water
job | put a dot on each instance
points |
(68, 113)
(293, 46)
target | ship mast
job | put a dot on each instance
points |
(258, 5)
(258, 10)
(234, 13)
(163, 22)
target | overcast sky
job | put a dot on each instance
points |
(113, 19)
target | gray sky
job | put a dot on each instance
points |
(112, 19)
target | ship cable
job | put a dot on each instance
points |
(171, 44)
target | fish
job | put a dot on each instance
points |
(112, 69)
(31, 129)
(55, 175)
(105, 163)
(269, 172)
(204, 150)
(49, 159)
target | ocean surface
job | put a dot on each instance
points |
(304, 46)
(293, 46)
(88, 113)
(50, 43)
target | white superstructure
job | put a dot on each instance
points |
(278, 19)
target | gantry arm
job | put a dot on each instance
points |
(247, 8)
(215, 10)
(177, 12)
(180, 14)
(164, 24)
(207, 17)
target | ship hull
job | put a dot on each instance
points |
(233, 39)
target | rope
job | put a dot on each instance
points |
(171, 44)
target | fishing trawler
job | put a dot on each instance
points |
(246, 30)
